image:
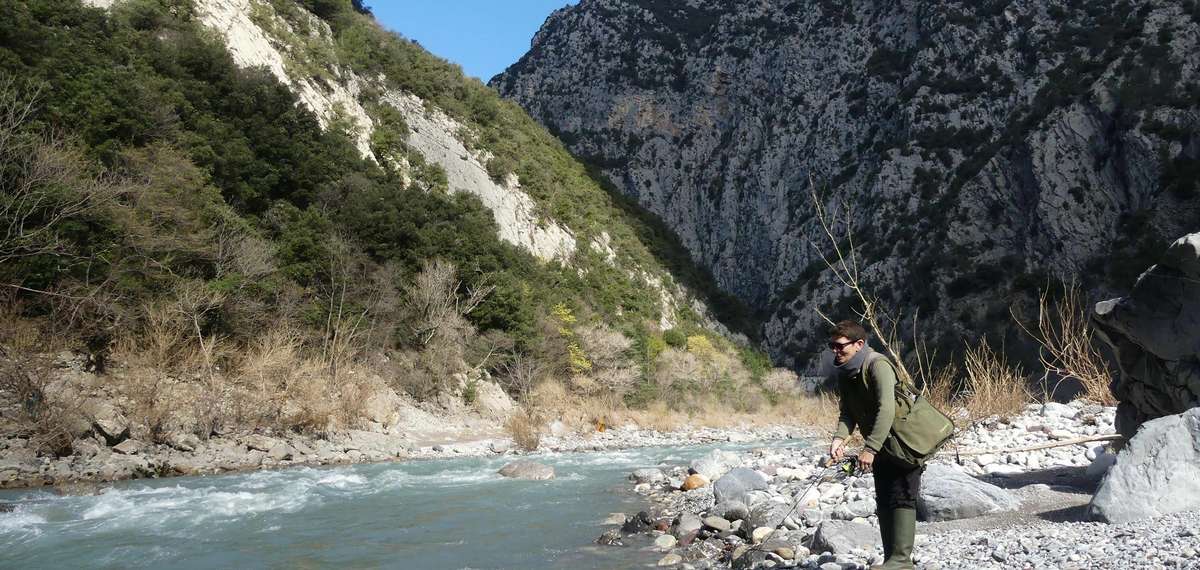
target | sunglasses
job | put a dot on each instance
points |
(840, 345)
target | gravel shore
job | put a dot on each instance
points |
(1010, 509)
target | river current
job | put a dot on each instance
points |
(446, 513)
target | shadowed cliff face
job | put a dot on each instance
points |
(984, 149)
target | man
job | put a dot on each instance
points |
(867, 385)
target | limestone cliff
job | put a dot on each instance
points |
(983, 149)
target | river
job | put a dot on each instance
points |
(445, 513)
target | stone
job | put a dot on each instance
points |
(257, 442)
(694, 481)
(760, 534)
(1157, 472)
(716, 463)
(770, 514)
(665, 542)
(183, 441)
(670, 560)
(281, 452)
(840, 537)
(109, 422)
(500, 446)
(717, 523)
(649, 475)
(611, 537)
(129, 447)
(492, 401)
(637, 523)
(855, 509)
(525, 469)
(730, 510)
(615, 518)
(687, 524)
(383, 407)
(736, 484)
(949, 494)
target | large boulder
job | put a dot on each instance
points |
(109, 422)
(716, 464)
(1153, 333)
(383, 407)
(735, 485)
(950, 494)
(525, 469)
(492, 401)
(840, 537)
(1157, 473)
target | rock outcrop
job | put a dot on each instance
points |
(982, 149)
(1157, 473)
(1155, 333)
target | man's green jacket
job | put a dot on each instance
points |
(868, 404)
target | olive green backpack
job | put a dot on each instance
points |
(919, 430)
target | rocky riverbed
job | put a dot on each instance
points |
(1001, 509)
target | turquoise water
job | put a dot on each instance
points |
(452, 513)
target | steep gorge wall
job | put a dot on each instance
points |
(984, 149)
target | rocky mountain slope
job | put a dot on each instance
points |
(983, 150)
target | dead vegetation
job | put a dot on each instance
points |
(1067, 342)
(986, 384)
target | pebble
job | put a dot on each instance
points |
(670, 560)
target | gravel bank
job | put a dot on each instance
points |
(1036, 517)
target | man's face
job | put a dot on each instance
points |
(844, 349)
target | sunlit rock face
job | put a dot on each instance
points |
(978, 150)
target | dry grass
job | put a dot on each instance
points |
(276, 382)
(939, 387)
(992, 387)
(44, 415)
(1068, 347)
(525, 428)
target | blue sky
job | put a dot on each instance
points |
(483, 36)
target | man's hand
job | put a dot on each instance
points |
(836, 449)
(865, 460)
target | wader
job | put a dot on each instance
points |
(897, 487)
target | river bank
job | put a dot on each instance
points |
(418, 435)
(1005, 509)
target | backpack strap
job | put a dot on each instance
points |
(901, 387)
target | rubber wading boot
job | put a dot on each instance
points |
(885, 531)
(904, 531)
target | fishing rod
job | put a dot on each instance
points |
(845, 467)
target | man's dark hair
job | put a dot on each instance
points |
(853, 331)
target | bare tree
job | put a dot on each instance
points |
(44, 180)
(435, 304)
(520, 373)
(1067, 346)
(846, 266)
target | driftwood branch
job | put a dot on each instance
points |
(1110, 437)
